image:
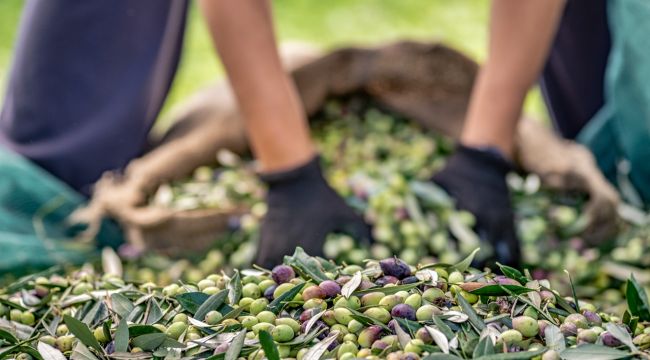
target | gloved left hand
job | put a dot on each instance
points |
(302, 210)
(475, 178)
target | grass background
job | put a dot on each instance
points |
(328, 24)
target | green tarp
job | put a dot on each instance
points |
(34, 233)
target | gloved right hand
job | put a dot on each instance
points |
(302, 210)
(475, 178)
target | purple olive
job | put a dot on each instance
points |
(410, 280)
(395, 267)
(319, 326)
(403, 311)
(308, 314)
(366, 284)
(369, 335)
(609, 339)
(386, 280)
(333, 345)
(282, 274)
(110, 347)
(268, 293)
(502, 280)
(569, 329)
(424, 335)
(331, 288)
(593, 318)
(379, 346)
(542, 324)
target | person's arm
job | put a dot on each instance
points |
(242, 31)
(521, 33)
(302, 208)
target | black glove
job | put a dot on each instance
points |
(302, 210)
(476, 179)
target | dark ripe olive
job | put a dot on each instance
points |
(268, 293)
(395, 267)
(386, 280)
(330, 287)
(282, 274)
(403, 311)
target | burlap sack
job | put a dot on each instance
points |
(427, 82)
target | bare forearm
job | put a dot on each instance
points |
(243, 34)
(521, 33)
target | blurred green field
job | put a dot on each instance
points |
(327, 24)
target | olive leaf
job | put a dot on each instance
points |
(498, 290)
(521, 355)
(121, 305)
(512, 273)
(270, 349)
(439, 338)
(313, 321)
(4, 352)
(82, 332)
(81, 352)
(484, 347)
(402, 336)
(427, 276)
(443, 327)
(441, 356)
(573, 291)
(235, 287)
(211, 303)
(554, 338)
(111, 263)
(48, 352)
(232, 313)
(130, 356)
(8, 337)
(235, 346)
(592, 351)
(12, 305)
(622, 335)
(25, 281)
(305, 338)
(474, 319)
(122, 336)
(316, 351)
(97, 313)
(350, 286)
(137, 330)
(149, 342)
(637, 299)
(410, 325)
(464, 264)
(388, 290)
(191, 301)
(281, 301)
(306, 265)
(154, 314)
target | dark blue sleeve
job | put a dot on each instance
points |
(87, 82)
(573, 79)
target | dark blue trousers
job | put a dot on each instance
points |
(89, 78)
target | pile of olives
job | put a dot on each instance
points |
(311, 308)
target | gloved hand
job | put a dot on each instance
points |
(476, 179)
(302, 210)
